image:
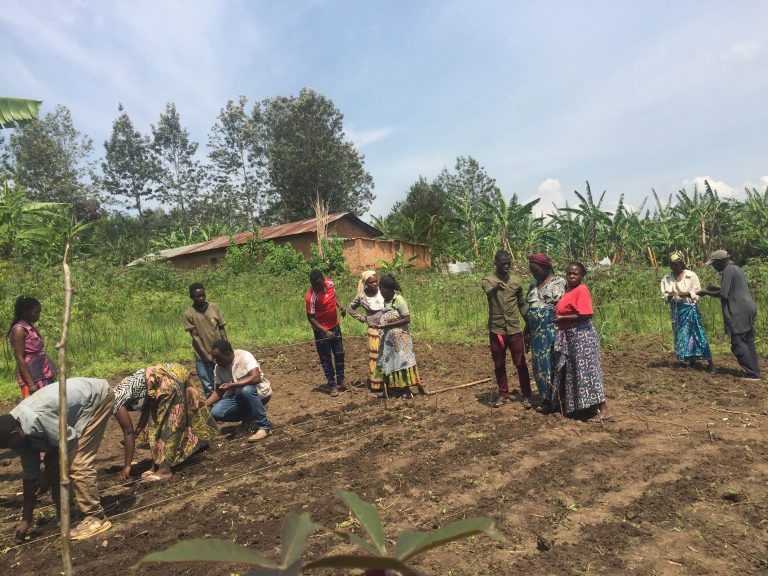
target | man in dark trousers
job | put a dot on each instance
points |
(506, 305)
(739, 311)
(321, 312)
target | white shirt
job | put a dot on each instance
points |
(243, 363)
(688, 283)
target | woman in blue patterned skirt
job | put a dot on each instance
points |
(579, 374)
(543, 294)
(680, 289)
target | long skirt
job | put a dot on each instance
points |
(578, 375)
(374, 372)
(404, 378)
(543, 357)
(176, 406)
(688, 330)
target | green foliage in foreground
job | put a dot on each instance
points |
(123, 319)
(298, 527)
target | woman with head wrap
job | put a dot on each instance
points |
(541, 331)
(397, 359)
(173, 411)
(680, 290)
(372, 302)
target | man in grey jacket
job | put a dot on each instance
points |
(33, 427)
(739, 311)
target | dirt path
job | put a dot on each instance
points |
(677, 485)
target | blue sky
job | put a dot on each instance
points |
(545, 95)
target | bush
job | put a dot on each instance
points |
(332, 262)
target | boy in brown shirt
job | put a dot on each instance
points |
(204, 322)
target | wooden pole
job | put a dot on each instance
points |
(467, 385)
(64, 482)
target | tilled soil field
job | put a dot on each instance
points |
(676, 484)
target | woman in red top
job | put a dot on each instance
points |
(579, 375)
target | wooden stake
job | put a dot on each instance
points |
(64, 482)
(467, 385)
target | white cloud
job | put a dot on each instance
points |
(746, 50)
(550, 194)
(361, 138)
(764, 180)
(724, 190)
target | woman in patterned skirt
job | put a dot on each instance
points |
(173, 412)
(543, 294)
(680, 290)
(397, 359)
(578, 375)
(370, 299)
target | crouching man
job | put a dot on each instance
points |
(33, 427)
(240, 390)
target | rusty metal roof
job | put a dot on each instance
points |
(266, 233)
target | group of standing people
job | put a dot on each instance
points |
(682, 289)
(554, 319)
(380, 304)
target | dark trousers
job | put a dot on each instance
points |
(743, 347)
(331, 353)
(499, 345)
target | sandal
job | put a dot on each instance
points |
(152, 477)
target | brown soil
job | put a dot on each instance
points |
(677, 484)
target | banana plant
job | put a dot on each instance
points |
(375, 558)
(15, 112)
(23, 223)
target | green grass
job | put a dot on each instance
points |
(124, 319)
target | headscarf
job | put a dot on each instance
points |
(541, 259)
(677, 256)
(363, 279)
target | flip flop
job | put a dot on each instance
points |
(599, 419)
(152, 477)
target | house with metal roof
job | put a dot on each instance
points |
(362, 247)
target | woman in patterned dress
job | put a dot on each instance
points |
(173, 412)
(370, 299)
(579, 374)
(543, 294)
(33, 367)
(680, 290)
(397, 359)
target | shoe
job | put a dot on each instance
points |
(527, 404)
(89, 527)
(334, 392)
(500, 402)
(260, 435)
(751, 377)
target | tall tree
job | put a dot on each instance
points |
(51, 159)
(467, 189)
(130, 170)
(180, 172)
(308, 158)
(237, 158)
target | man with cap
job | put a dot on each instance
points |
(739, 311)
(33, 427)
